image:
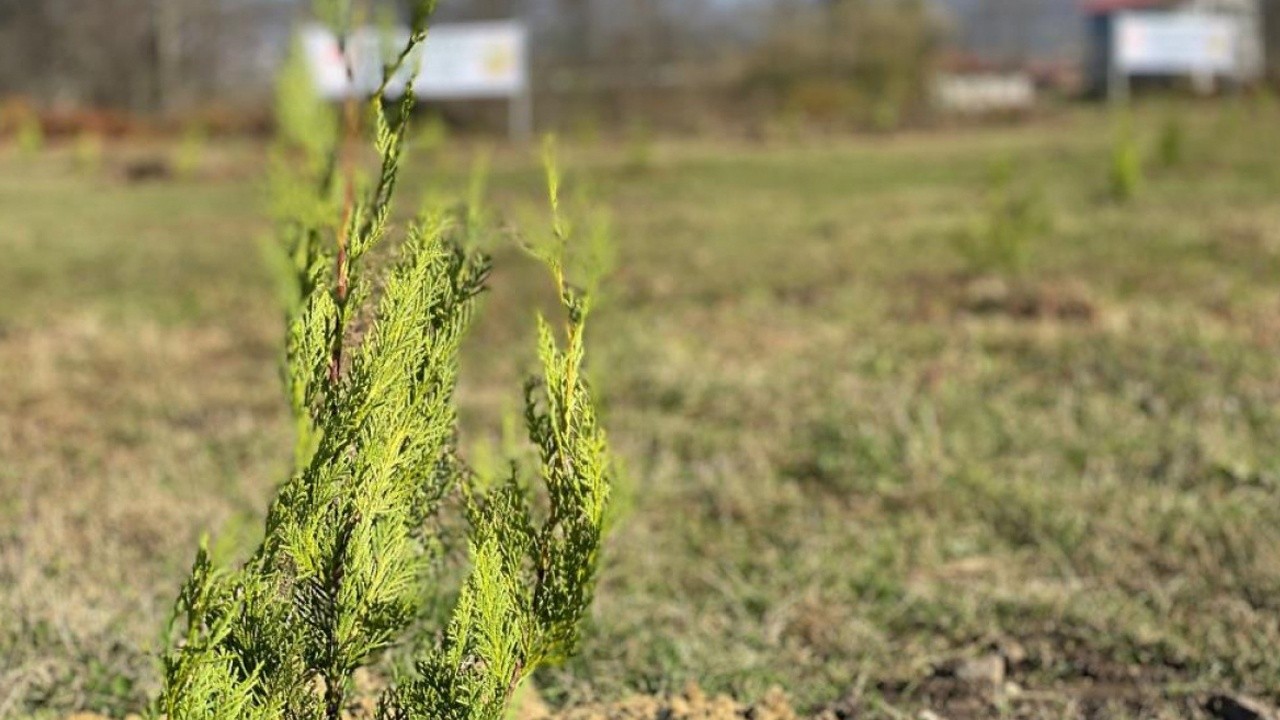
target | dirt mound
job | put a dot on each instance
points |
(935, 297)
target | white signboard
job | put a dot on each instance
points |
(1148, 43)
(476, 60)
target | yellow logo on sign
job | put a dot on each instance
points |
(499, 61)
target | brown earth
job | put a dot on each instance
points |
(951, 694)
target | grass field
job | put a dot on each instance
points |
(851, 461)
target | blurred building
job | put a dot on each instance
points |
(1015, 33)
(1271, 37)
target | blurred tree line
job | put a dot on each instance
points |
(683, 63)
(862, 61)
(611, 57)
(141, 55)
(671, 62)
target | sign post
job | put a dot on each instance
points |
(472, 61)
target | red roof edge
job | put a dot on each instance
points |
(1102, 7)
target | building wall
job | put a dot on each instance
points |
(1271, 37)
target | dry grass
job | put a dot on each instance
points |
(843, 472)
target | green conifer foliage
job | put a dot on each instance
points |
(370, 377)
(532, 577)
(1126, 164)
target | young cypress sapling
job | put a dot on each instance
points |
(1126, 171)
(1001, 240)
(1172, 147)
(336, 579)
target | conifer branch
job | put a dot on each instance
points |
(335, 581)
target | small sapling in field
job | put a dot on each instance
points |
(1172, 148)
(1015, 216)
(1126, 176)
(190, 153)
(371, 364)
(30, 135)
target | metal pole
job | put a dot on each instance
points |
(520, 106)
(1117, 84)
(520, 127)
(1117, 78)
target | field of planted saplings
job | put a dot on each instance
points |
(368, 422)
